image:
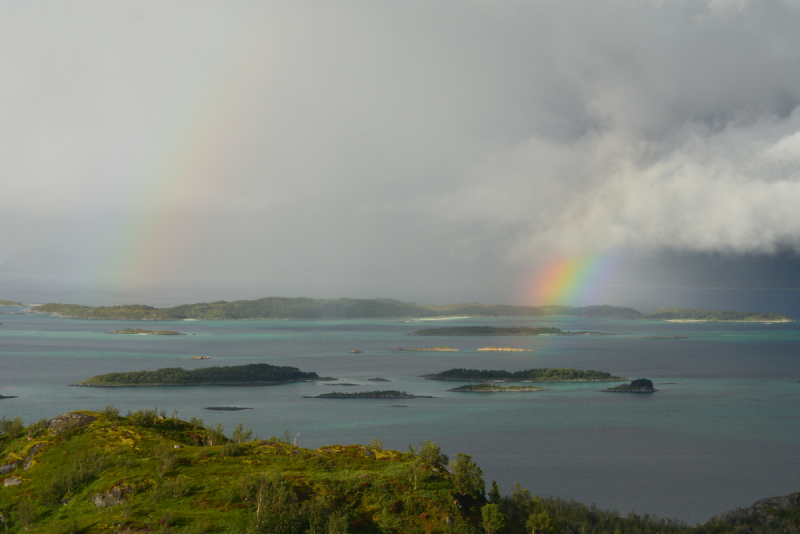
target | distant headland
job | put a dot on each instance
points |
(306, 308)
(254, 374)
(9, 303)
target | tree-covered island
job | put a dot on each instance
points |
(254, 374)
(146, 332)
(528, 375)
(640, 385)
(493, 388)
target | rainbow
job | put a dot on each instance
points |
(570, 281)
(182, 168)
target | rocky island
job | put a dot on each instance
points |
(528, 375)
(388, 394)
(429, 349)
(640, 385)
(146, 332)
(493, 388)
(254, 374)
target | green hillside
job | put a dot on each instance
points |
(9, 303)
(88, 472)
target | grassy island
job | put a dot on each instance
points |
(254, 374)
(9, 303)
(640, 385)
(493, 388)
(147, 332)
(528, 375)
(97, 472)
(388, 394)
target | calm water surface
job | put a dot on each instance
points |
(723, 430)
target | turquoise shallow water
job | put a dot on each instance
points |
(723, 431)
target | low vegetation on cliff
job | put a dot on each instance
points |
(252, 374)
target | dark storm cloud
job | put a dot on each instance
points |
(359, 137)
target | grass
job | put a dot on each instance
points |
(219, 488)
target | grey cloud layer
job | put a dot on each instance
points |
(511, 128)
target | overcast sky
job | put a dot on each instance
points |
(368, 148)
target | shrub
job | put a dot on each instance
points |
(111, 413)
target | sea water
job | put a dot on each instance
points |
(722, 431)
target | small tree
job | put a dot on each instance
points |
(431, 451)
(494, 493)
(376, 444)
(493, 519)
(416, 471)
(467, 476)
(215, 434)
(241, 434)
(111, 412)
(540, 521)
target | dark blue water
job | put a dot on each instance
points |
(723, 431)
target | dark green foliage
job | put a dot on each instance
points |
(493, 519)
(533, 375)
(467, 476)
(494, 493)
(237, 374)
(487, 331)
(638, 385)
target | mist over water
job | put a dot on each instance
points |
(721, 432)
